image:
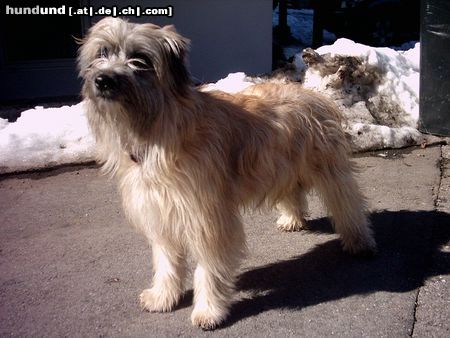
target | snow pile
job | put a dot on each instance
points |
(42, 138)
(233, 83)
(376, 88)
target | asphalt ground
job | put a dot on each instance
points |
(71, 266)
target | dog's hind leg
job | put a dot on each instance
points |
(168, 280)
(343, 198)
(293, 208)
(219, 250)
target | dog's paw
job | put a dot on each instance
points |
(290, 224)
(206, 319)
(157, 301)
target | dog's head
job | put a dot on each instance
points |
(132, 64)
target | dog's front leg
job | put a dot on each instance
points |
(219, 250)
(212, 298)
(168, 280)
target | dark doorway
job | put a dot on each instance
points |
(38, 52)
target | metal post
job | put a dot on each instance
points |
(435, 67)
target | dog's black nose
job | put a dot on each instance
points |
(105, 83)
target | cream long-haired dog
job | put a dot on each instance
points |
(188, 161)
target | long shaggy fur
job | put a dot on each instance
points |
(188, 161)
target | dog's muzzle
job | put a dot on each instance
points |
(106, 85)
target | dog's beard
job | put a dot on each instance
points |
(134, 96)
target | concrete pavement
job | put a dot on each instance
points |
(70, 266)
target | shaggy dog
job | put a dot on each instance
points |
(188, 161)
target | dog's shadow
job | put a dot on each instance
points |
(408, 244)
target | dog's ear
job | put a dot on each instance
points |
(177, 43)
(176, 48)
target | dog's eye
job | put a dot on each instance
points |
(140, 61)
(103, 52)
